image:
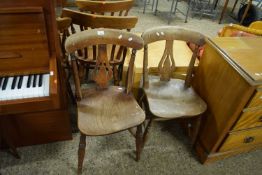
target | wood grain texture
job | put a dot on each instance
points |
(242, 139)
(105, 112)
(256, 100)
(221, 80)
(164, 97)
(249, 119)
(28, 29)
(98, 21)
(238, 51)
(225, 96)
(38, 127)
(182, 57)
(102, 36)
(170, 99)
(105, 6)
(23, 33)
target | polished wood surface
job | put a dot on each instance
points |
(256, 100)
(114, 103)
(236, 140)
(122, 7)
(105, 109)
(249, 119)
(98, 21)
(90, 21)
(224, 80)
(29, 45)
(238, 50)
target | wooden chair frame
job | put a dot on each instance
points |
(166, 68)
(85, 20)
(102, 75)
(102, 7)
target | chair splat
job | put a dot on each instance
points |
(166, 65)
(102, 72)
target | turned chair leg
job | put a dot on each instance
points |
(197, 128)
(139, 141)
(81, 153)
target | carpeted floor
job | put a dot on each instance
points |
(168, 151)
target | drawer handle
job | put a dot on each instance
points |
(249, 139)
(260, 119)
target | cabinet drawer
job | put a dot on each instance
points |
(256, 100)
(242, 139)
(249, 119)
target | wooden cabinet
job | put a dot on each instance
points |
(229, 79)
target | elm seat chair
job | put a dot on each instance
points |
(113, 14)
(105, 109)
(109, 8)
(162, 96)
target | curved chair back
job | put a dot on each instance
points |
(120, 8)
(167, 64)
(103, 72)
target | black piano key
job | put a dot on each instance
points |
(34, 80)
(14, 82)
(29, 81)
(20, 82)
(1, 79)
(5, 83)
(40, 82)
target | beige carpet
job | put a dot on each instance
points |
(167, 152)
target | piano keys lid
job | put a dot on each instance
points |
(24, 43)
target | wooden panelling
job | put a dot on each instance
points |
(37, 128)
(226, 94)
(228, 79)
(249, 119)
(242, 139)
(23, 39)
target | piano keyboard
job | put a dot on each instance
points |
(24, 86)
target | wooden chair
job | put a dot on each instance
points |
(105, 109)
(106, 8)
(110, 8)
(231, 30)
(90, 21)
(63, 25)
(162, 96)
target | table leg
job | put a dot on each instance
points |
(234, 6)
(223, 11)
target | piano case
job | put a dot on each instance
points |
(29, 46)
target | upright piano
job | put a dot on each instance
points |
(33, 101)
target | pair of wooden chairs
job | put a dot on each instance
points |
(106, 109)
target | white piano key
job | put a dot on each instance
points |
(7, 92)
(46, 84)
(21, 91)
(41, 88)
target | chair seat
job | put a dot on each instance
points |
(103, 112)
(171, 100)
